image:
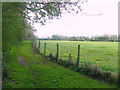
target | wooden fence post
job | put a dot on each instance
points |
(50, 55)
(39, 44)
(78, 58)
(45, 48)
(70, 57)
(35, 45)
(57, 54)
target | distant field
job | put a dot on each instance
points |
(103, 54)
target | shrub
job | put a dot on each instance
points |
(114, 78)
(85, 68)
(96, 71)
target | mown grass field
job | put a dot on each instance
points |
(103, 54)
(25, 69)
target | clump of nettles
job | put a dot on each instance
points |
(97, 73)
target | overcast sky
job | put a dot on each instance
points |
(85, 25)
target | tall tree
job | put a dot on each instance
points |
(48, 10)
(13, 23)
(15, 16)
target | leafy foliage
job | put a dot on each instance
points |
(14, 15)
(13, 24)
(48, 10)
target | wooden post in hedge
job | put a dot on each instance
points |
(45, 48)
(50, 55)
(57, 54)
(78, 58)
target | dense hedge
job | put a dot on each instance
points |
(14, 25)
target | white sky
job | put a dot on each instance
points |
(82, 25)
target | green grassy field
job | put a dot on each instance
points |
(103, 54)
(25, 69)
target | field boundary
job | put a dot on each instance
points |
(85, 68)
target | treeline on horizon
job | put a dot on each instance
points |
(110, 38)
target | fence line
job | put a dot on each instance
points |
(103, 75)
(57, 53)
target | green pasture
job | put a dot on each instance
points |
(41, 73)
(103, 54)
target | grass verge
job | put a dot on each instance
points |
(24, 69)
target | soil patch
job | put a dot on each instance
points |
(22, 61)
